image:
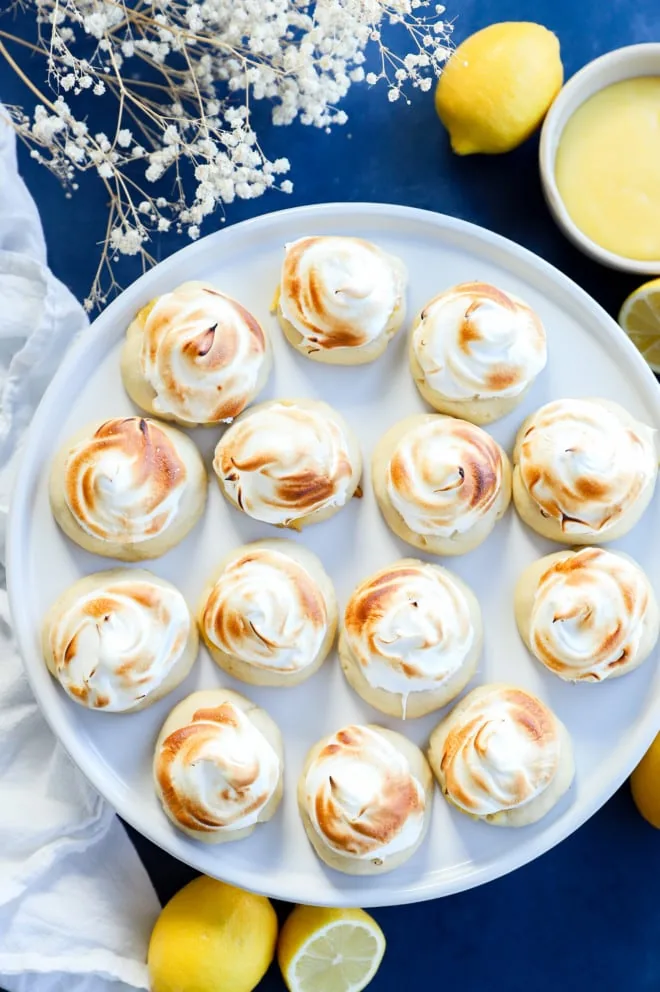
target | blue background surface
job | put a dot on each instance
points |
(585, 916)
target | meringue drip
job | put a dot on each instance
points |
(410, 628)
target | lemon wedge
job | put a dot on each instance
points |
(640, 318)
(329, 950)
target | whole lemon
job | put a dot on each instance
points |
(212, 937)
(498, 85)
(645, 784)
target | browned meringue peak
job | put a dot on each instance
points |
(409, 627)
(124, 482)
(115, 644)
(500, 752)
(218, 772)
(284, 462)
(266, 609)
(476, 342)
(584, 465)
(339, 292)
(444, 475)
(202, 353)
(362, 797)
(588, 614)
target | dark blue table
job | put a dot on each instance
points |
(586, 916)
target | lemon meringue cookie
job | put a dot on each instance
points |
(441, 483)
(341, 300)
(475, 351)
(195, 356)
(584, 471)
(502, 756)
(289, 462)
(268, 615)
(218, 766)
(587, 615)
(127, 488)
(411, 638)
(119, 640)
(365, 798)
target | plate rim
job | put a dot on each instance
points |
(422, 888)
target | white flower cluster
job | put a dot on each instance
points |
(183, 75)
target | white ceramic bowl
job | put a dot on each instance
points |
(624, 63)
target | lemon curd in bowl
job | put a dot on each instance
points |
(607, 168)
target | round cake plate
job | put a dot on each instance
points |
(611, 724)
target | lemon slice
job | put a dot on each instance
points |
(329, 950)
(640, 319)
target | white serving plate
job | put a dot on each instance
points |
(611, 723)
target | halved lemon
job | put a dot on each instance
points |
(640, 318)
(329, 950)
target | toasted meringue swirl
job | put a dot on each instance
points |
(410, 628)
(284, 462)
(443, 476)
(588, 615)
(125, 481)
(501, 752)
(118, 643)
(217, 773)
(362, 798)
(267, 610)
(475, 342)
(583, 465)
(202, 354)
(339, 292)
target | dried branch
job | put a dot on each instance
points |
(206, 63)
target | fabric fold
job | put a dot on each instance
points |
(76, 905)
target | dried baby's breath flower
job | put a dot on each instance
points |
(182, 76)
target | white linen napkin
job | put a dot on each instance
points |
(76, 904)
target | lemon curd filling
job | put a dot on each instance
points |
(608, 168)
